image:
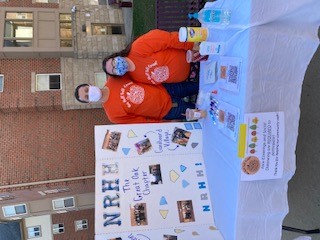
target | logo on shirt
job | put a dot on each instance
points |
(132, 94)
(157, 74)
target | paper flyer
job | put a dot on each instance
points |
(228, 119)
(210, 72)
(263, 146)
(151, 183)
(229, 73)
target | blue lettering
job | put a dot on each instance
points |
(109, 183)
(202, 185)
(112, 217)
(111, 199)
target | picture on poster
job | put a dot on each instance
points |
(143, 146)
(111, 141)
(155, 174)
(138, 214)
(186, 213)
(170, 237)
(181, 136)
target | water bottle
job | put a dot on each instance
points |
(212, 16)
(212, 48)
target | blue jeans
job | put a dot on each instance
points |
(178, 91)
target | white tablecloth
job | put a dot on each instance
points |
(276, 40)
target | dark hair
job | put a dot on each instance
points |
(76, 92)
(123, 53)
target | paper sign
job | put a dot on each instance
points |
(229, 73)
(210, 72)
(264, 146)
(151, 183)
(228, 121)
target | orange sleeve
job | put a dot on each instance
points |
(158, 40)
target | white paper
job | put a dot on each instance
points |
(264, 145)
(210, 72)
(229, 69)
(231, 120)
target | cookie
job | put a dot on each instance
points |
(251, 165)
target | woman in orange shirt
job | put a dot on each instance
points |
(154, 58)
(125, 101)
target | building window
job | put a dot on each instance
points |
(34, 232)
(18, 31)
(63, 203)
(65, 30)
(81, 224)
(46, 82)
(100, 79)
(14, 210)
(1, 82)
(58, 228)
(106, 29)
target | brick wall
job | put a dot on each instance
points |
(68, 220)
(49, 145)
(17, 95)
(28, 3)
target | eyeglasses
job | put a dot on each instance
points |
(113, 65)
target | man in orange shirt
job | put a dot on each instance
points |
(125, 101)
(154, 58)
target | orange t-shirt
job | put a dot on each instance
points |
(159, 57)
(132, 102)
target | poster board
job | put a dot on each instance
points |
(151, 183)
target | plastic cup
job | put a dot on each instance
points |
(195, 114)
(195, 56)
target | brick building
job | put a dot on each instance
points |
(47, 142)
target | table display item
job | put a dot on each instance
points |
(195, 56)
(195, 114)
(214, 108)
(229, 73)
(193, 34)
(203, 99)
(134, 179)
(261, 146)
(212, 16)
(210, 72)
(225, 116)
(212, 48)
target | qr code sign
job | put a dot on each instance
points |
(231, 121)
(233, 74)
